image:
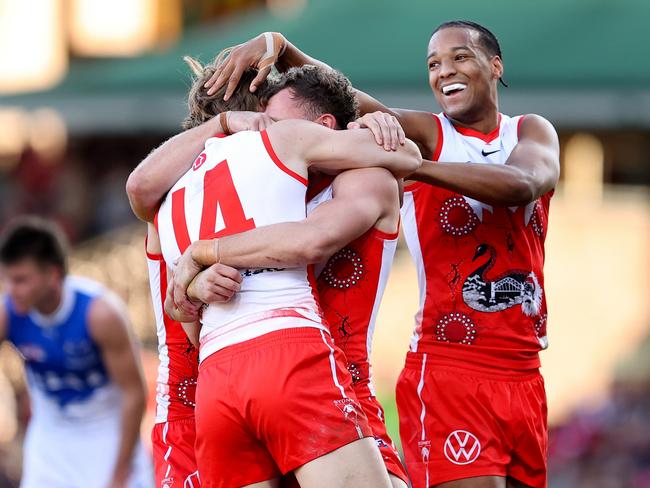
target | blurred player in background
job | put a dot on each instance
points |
(471, 399)
(85, 380)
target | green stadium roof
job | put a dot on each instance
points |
(571, 46)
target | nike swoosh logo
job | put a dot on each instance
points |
(488, 153)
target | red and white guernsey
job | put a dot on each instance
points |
(179, 362)
(350, 287)
(236, 184)
(480, 268)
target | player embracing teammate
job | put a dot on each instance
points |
(471, 399)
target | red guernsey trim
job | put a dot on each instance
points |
(385, 235)
(276, 160)
(151, 255)
(521, 119)
(178, 220)
(487, 138)
(220, 135)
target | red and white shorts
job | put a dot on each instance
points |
(173, 454)
(272, 404)
(375, 413)
(461, 421)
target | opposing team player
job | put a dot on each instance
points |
(356, 214)
(471, 399)
(273, 393)
(85, 381)
(174, 432)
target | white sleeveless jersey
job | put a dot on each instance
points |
(236, 184)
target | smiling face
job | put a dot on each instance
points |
(462, 74)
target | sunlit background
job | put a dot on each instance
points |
(89, 87)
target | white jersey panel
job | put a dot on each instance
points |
(269, 193)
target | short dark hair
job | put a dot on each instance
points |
(202, 107)
(35, 238)
(487, 39)
(321, 91)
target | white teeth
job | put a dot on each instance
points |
(452, 87)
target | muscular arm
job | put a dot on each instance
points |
(532, 169)
(362, 199)
(297, 141)
(110, 329)
(418, 126)
(156, 174)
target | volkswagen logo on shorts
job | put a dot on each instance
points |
(462, 447)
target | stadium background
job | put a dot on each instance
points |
(89, 87)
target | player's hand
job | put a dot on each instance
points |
(216, 284)
(387, 130)
(239, 121)
(184, 272)
(251, 54)
(176, 313)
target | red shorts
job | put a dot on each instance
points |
(457, 422)
(375, 413)
(173, 454)
(271, 404)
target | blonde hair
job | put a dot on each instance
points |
(202, 107)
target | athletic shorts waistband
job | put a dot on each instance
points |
(290, 335)
(414, 361)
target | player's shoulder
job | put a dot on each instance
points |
(84, 286)
(107, 315)
(531, 124)
(375, 182)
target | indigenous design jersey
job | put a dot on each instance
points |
(66, 375)
(236, 184)
(480, 268)
(179, 359)
(350, 286)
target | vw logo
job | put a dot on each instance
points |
(462, 447)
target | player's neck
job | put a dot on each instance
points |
(485, 123)
(51, 302)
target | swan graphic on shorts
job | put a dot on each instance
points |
(494, 294)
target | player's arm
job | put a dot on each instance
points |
(531, 170)
(418, 126)
(4, 319)
(192, 327)
(162, 168)
(361, 199)
(297, 141)
(110, 329)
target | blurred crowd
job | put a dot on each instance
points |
(81, 189)
(607, 446)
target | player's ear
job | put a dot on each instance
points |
(327, 120)
(497, 67)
